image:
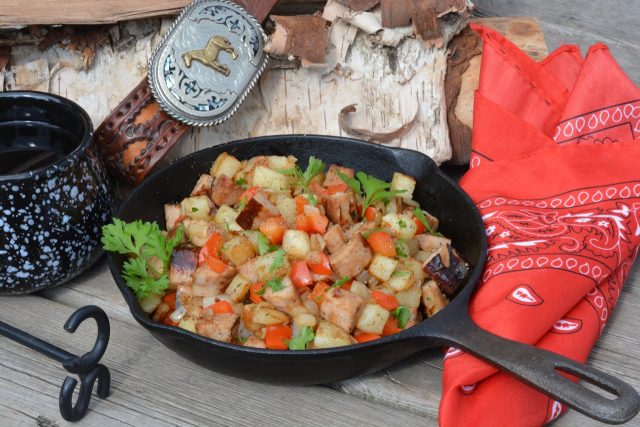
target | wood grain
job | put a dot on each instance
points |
(151, 385)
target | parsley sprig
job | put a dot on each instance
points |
(315, 168)
(278, 260)
(402, 315)
(264, 246)
(141, 241)
(423, 219)
(374, 189)
(302, 340)
(275, 284)
(339, 283)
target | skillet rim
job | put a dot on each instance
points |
(416, 331)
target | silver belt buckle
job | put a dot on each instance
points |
(207, 63)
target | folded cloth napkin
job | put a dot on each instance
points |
(555, 175)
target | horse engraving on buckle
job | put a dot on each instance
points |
(207, 63)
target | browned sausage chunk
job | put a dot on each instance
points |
(341, 307)
(225, 191)
(351, 259)
(221, 327)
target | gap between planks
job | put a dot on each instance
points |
(414, 385)
(153, 385)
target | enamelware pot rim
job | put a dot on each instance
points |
(69, 159)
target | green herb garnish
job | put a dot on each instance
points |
(241, 182)
(243, 339)
(315, 168)
(402, 315)
(400, 273)
(194, 209)
(374, 189)
(312, 199)
(275, 284)
(278, 261)
(401, 248)
(142, 240)
(261, 290)
(243, 203)
(300, 341)
(423, 219)
(340, 282)
(402, 224)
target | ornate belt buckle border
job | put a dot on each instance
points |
(207, 63)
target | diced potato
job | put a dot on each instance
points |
(203, 186)
(198, 231)
(296, 243)
(266, 178)
(305, 319)
(413, 246)
(414, 266)
(267, 315)
(400, 280)
(382, 267)
(360, 288)
(225, 165)
(197, 207)
(171, 215)
(238, 250)
(272, 265)
(238, 288)
(248, 310)
(373, 319)
(150, 303)
(252, 235)
(402, 182)
(432, 298)
(188, 324)
(422, 256)
(410, 297)
(401, 225)
(287, 208)
(281, 162)
(329, 335)
(226, 216)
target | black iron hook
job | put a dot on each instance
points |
(86, 366)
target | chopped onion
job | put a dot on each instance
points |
(178, 314)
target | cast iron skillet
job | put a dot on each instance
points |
(451, 327)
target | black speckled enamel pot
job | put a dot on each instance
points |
(51, 213)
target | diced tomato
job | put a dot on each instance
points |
(317, 223)
(420, 228)
(301, 202)
(319, 263)
(382, 243)
(274, 229)
(391, 327)
(170, 299)
(370, 213)
(347, 286)
(216, 264)
(336, 188)
(253, 292)
(211, 248)
(388, 302)
(249, 193)
(302, 223)
(361, 336)
(318, 292)
(221, 307)
(277, 336)
(300, 275)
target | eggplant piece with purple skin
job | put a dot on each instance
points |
(447, 268)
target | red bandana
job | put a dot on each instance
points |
(555, 175)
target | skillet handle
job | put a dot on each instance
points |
(540, 369)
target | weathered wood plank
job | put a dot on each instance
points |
(153, 386)
(414, 385)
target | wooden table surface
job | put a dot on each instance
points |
(151, 385)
